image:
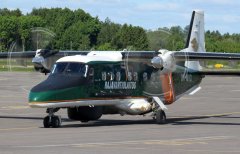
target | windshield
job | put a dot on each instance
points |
(69, 68)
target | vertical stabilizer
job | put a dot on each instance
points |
(196, 38)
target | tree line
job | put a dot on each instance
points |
(174, 38)
(74, 30)
(78, 30)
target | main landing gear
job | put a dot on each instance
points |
(52, 120)
(160, 117)
(158, 111)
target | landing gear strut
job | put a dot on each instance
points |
(158, 111)
(52, 120)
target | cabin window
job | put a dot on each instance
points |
(118, 76)
(129, 76)
(145, 76)
(135, 76)
(91, 73)
(110, 76)
(104, 76)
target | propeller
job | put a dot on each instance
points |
(154, 69)
(43, 60)
(20, 54)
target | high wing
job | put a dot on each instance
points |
(42, 59)
(206, 56)
(42, 52)
(27, 54)
(210, 56)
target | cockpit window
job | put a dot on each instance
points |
(69, 68)
(59, 68)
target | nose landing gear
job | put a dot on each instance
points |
(51, 120)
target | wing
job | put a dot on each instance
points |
(42, 59)
(206, 56)
(210, 56)
(27, 54)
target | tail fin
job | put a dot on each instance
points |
(196, 39)
(196, 36)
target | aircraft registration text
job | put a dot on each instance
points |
(120, 85)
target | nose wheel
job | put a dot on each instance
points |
(51, 120)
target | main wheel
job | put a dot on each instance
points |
(160, 117)
(46, 122)
(56, 122)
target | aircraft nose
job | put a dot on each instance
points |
(56, 89)
(42, 96)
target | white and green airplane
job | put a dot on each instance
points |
(90, 84)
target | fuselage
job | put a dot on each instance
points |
(109, 83)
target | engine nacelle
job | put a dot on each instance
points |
(164, 61)
(40, 60)
(40, 64)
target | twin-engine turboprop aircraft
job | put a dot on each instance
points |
(90, 84)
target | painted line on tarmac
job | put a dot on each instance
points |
(171, 142)
(222, 114)
(14, 107)
(8, 96)
(207, 115)
(235, 90)
(24, 89)
(190, 97)
(13, 129)
(3, 79)
(211, 151)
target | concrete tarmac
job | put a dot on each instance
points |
(207, 122)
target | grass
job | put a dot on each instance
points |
(16, 65)
(4, 68)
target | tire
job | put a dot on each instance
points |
(46, 122)
(161, 117)
(56, 122)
